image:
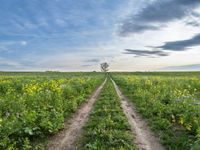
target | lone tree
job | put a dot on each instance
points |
(104, 67)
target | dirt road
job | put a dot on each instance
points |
(144, 138)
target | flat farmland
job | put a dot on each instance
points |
(138, 110)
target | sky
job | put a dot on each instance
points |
(78, 35)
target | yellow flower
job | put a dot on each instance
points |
(1, 122)
(181, 121)
(188, 127)
(173, 119)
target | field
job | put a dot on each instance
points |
(169, 101)
(34, 108)
(35, 105)
(107, 127)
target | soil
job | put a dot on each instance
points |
(144, 138)
(66, 138)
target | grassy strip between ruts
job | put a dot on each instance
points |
(107, 127)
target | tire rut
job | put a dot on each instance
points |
(66, 138)
(144, 138)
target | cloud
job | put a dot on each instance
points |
(131, 27)
(5, 46)
(23, 43)
(86, 65)
(148, 53)
(192, 67)
(95, 60)
(193, 19)
(90, 62)
(7, 64)
(182, 44)
(193, 23)
(157, 14)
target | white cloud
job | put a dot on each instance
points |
(23, 43)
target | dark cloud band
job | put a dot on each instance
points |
(182, 44)
(157, 14)
(147, 53)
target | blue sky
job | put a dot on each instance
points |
(73, 35)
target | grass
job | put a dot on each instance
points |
(107, 127)
(170, 104)
(34, 107)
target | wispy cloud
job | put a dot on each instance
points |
(5, 45)
(147, 53)
(95, 60)
(193, 23)
(9, 64)
(23, 43)
(157, 14)
(90, 62)
(181, 45)
(192, 67)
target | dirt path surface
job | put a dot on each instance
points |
(65, 140)
(144, 138)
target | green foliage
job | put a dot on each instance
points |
(107, 127)
(170, 103)
(35, 106)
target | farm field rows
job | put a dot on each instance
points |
(34, 106)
